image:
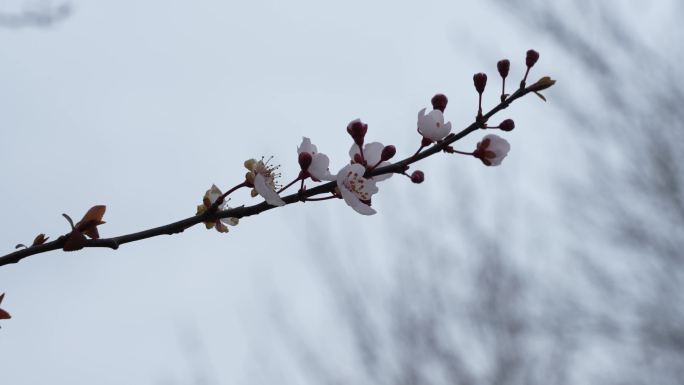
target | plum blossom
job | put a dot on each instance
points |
(432, 125)
(492, 150)
(372, 154)
(318, 168)
(209, 199)
(263, 176)
(355, 189)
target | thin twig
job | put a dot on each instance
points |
(241, 212)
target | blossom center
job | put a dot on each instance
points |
(269, 172)
(356, 184)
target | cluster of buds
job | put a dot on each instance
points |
(356, 182)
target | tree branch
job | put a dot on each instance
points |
(245, 211)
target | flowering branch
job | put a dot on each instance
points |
(355, 183)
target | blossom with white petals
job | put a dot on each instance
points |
(355, 189)
(209, 199)
(318, 168)
(432, 125)
(263, 177)
(492, 150)
(372, 154)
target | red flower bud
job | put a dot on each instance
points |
(531, 58)
(507, 125)
(388, 152)
(417, 177)
(357, 130)
(503, 66)
(3, 313)
(439, 102)
(480, 81)
(305, 160)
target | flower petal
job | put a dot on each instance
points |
(213, 193)
(228, 221)
(353, 151)
(372, 153)
(355, 172)
(319, 167)
(354, 202)
(432, 125)
(446, 129)
(221, 227)
(272, 198)
(306, 146)
(499, 146)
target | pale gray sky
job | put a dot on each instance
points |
(143, 105)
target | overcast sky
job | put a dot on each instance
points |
(143, 105)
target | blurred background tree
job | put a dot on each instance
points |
(481, 312)
(36, 13)
(584, 287)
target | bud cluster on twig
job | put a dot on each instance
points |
(356, 182)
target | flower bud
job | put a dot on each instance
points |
(357, 130)
(507, 125)
(480, 81)
(250, 164)
(439, 102)
(503, 66)
(417, 177)
(305, 160)
(388, 152)
(531, 58)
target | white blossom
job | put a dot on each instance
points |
(355, 189)
(372, 153)
(263, 176)
(210, 198)
(319, 162)
(492, 150)
(432, 125)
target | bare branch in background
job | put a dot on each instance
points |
(636, 204)
(444, 315)
(39, 16)
(626, 306)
